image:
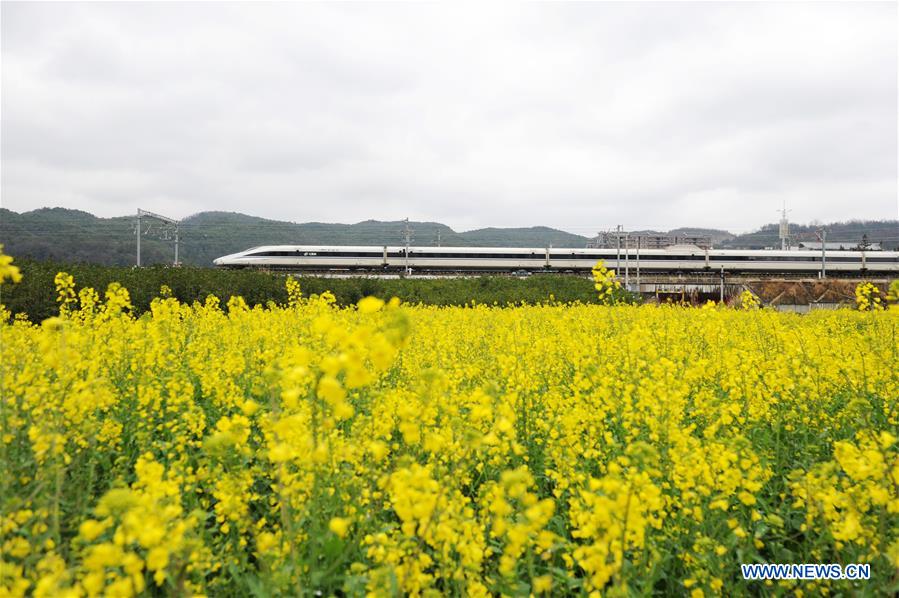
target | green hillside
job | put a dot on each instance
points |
(58, 234)
(74, 236)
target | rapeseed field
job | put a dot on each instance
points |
(385, 449)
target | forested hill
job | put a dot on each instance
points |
(74, 236)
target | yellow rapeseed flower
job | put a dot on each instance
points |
(339, 525)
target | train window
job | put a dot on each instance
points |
(851, 260)
(783, 258)
(378, 254)
(653, 258)
(579, 256)
(760, 258)
(457, 256)
(357, 254)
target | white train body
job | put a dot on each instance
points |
(499, 259)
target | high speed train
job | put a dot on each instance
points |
(684, 258)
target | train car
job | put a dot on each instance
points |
(808, 262)
(307, 257)
(690, 258)
(674, 259)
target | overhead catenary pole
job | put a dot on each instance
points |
(638, 263)
(721, 292)
(863, 249)
(138, 232)
(627, 278)
(407, 239)
(822, 237)
(175, 224)
(784, 227)
(618, 250)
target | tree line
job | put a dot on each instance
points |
(35, 295)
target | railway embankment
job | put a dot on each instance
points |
(785, 294)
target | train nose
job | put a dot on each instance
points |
(218, 261)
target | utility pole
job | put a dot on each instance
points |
(438, 238)
(407, 239)
(784, 227)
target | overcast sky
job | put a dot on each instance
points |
(577, 116)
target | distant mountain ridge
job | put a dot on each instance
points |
(66, 235)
